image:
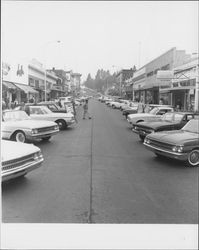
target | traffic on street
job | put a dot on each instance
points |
(99, 171)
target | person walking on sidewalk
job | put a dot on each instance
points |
(85, 107)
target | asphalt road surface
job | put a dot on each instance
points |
(99, 172)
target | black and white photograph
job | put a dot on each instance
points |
(99, 125)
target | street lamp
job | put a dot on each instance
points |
(45, 82)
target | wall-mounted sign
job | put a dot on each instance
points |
(16, 72)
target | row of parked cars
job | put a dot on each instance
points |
(165, 132)
(30, 123)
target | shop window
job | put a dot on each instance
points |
(31, 82)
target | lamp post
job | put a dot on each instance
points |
(45, 82)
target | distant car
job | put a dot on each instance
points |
(180, 144)
(130, 109)
(154, 114)
(43, 113)
(126, 105)
(18, 159)
(18, 126)
(169, 121)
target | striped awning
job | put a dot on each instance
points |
(9, 85)
(26, 88)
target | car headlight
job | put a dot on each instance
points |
(34, 131)
(38, 156)
(147, 141)
(178, 149)
(56, 127)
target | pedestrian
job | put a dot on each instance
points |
(74, 110)
(85, 108)
(141, 107)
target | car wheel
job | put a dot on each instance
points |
(46, 138)
(193, 158)
(142, 137)
(62, 124)
(19, 136)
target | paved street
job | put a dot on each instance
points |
(99, 172)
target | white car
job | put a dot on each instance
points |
(17, 159)
(155, 113)
(18, 126)
(43, 113)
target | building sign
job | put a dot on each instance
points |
(16, 72)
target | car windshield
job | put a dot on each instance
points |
(39, 110)
(171, 117)
(15, 116)
(192, 126)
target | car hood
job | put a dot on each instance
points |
(155, 124)
(30, 124)
(12, 150)
(174, 137)
(139, 115)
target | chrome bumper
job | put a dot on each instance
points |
(19, 171)
(169, 154)
(70, 122)
(42, 135)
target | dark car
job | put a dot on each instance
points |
(180, 144)
(170, 121)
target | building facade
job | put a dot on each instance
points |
(75, 82)
(146, 84)
(15, 87)
(183, 88)
(122, 81)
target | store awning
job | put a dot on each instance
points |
(167, 90)
(26, 88)
(9, 85)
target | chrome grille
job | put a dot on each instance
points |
(7, 165)
(160, 144)
(46, 129)
(146, 130)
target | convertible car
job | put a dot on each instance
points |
(180, 144)
(18, 159)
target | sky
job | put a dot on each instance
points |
(94, 35)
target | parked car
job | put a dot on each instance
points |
(169, 121)
(131, 109)
(127, 104)
(154, 114)
(53, 106)
(180, 144)
(18, 159)
(18, 126)
(43, 113)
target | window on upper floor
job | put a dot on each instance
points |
(150, 74)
